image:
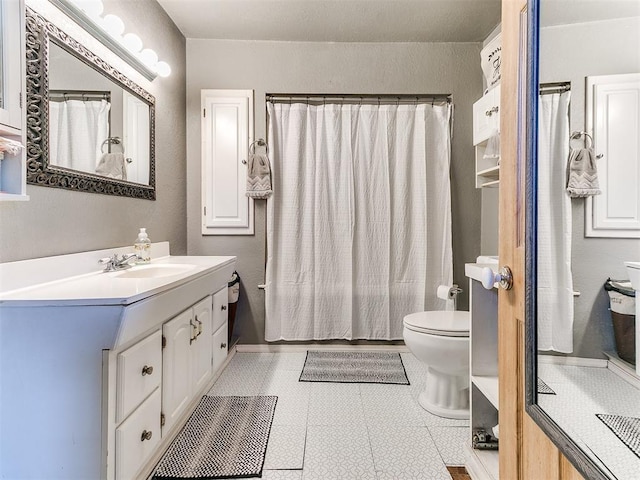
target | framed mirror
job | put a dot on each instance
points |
(89, 127)
(583, 142)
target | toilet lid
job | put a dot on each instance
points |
(449, 324)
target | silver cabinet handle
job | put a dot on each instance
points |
(146, 435)
(224, 307)
(504, 278)
(223, 345)
(199, 326)
(147, 370)
(491, 111)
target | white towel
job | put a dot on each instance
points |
(583, 173)
(112, 165)
(258, 176)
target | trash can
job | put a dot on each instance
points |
(623, 308)
(234, 295)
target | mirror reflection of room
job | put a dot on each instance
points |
(589, 227)
(95, 126)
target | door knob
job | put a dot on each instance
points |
(504, 278)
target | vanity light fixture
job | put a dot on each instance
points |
(110, 31)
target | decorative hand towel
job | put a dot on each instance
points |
(112, 165)
(258, 176)
(582, 173)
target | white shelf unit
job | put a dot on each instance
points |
(483, 339)
(486, 122)
(13, 170)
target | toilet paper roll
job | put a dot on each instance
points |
(444, 292)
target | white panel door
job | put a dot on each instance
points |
(613, 115)
(201, 347)
(176, 365)
(227, 131)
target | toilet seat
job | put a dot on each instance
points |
(440, 323)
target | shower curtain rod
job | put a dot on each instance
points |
(79, 94)
(357, 98)
(557, 87)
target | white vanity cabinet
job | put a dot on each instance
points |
(86, 382)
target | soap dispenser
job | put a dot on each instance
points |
(142, 247)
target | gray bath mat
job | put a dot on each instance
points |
(225, 437)
(354, 367)
(544, 388)
(626, 429)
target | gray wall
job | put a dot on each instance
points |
(297, 67)
(570, 53)
(59, 221)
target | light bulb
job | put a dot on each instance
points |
(113, 25)
(149, 57)
(93, 8)
(132, 42)
(163, 69)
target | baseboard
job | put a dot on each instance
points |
(573, 361)
(623, 369)
(297, 348)
(476, 469)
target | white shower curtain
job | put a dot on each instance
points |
(77, 130)
(359, 224)
(555, 283)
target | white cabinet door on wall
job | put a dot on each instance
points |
(613, 116)
(227, 131)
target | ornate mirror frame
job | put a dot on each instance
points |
(583, 463)
(39, 32)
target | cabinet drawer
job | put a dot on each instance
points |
(220, 308)
(137, 437)
(486, 116)
(139, 369)
(220, 347)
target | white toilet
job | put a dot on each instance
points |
(440, 339)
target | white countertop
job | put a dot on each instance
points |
(110, 288)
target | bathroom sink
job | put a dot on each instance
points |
(155, 271)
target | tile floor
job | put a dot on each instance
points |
(345, 431)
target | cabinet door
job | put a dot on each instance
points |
(220, 308)
(176, 363)
(227, 131)
(220, 347)
(10, 63)
(486, 116)
(138, 437)
(139, 372)
(201, 347)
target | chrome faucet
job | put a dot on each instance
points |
(115, 263)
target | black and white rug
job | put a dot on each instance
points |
(544, 388)
(225, 437)
(626, 429)
(354, 367)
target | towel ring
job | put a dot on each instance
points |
(586, 135)
(252, 148)
(261, 143)
(588, 141)
(112, 141)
